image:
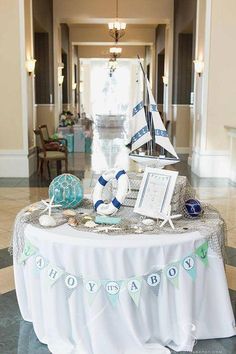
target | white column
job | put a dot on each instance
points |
(215, 90)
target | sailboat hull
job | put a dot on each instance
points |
(153, 161)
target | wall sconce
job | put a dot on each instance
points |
(30, 65)
(60, 65)
(198, 66)
(165, 80)
(60, 79)
(74, 85)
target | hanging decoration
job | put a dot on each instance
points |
(117, 28)
(113, 287)
(116, 31)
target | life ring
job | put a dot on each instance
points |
(100, 206)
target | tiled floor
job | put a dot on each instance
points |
(16, 335)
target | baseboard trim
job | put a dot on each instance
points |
(17, 163)
(32, 162)
(211, 164)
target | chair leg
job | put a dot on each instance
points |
(66, 165)
(58, 167)
(40, 167)
(48, 168)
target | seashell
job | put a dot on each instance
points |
(47, 221)
(90, 224)
(72, 221)
(69, 212)
(27, 213)
(87, 217)
(139, 230)
(31, 209)
(148, 222)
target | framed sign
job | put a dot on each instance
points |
(155, 192)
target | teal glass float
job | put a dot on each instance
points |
(67, 191)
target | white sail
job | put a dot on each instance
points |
(140, 133)
(161, 135)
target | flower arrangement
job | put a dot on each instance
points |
(66, 119)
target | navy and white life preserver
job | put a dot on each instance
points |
(100, 206)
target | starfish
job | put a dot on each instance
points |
(49, 205)
(168, 218)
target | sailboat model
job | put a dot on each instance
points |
(146, 127)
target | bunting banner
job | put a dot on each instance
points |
(189, 265)
(71, 282)
(92, 287)
(53, 274)
(134, 286)
(172, 273)
(153, 280)
(112, 288)
(202, 253)
(40, 263)
(28, 251)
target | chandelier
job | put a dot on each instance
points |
(112, 66)
(115, 52)
(116, 28)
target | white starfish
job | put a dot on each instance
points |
(168, 218)
(49, 205)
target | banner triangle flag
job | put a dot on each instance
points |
(28, 251)
(202, 253)
(153, 280)
(53, 273)
(188, 264)
(112, 289)
(71, 283)
(40, 263)
(134, 286)
(172, 273)
(92, 287)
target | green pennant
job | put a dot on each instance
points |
(202, 253)
(92, 287)
(134, 286)
(28, 251)
(112, 289)
(172, 273)
(188, 264)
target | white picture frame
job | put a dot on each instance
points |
(155, 193)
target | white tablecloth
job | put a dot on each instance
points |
(199, 309)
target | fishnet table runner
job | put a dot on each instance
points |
(209, 224)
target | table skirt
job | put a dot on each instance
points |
(176, 317)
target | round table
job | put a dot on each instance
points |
(176, 315)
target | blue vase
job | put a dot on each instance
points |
(67, 191)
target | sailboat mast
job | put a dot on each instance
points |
(151, 143)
